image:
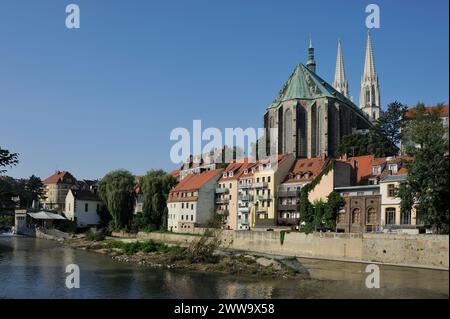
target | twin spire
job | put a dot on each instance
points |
(340, 81)
(369, 100)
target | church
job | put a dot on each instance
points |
(311, 116)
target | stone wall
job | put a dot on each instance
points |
(406, 250)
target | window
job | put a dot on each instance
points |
(393, 168)
(182, 205)
(371, 216)
(268, 179)
(86, 207)
(192, 206)
(390, 216)
(231, 185)
(192, 217)
(391, 190)
(405, 218)
(356, 216)
(182, 217)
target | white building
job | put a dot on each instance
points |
(83, 207)
(191, 202)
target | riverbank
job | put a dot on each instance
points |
(160, 255)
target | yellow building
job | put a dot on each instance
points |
(267, 178)
(56, 188)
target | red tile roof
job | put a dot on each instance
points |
(238, 168)
(175, 173)
(443, 113)
(192, 183)
(58, 177)
(310, 166)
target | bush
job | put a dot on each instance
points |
(95, 235)
(148, 246)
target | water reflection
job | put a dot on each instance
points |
(31, 268)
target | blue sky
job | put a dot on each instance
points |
(107, 95)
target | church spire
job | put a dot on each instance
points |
(311, 64)
(340, 82)
(369, 99)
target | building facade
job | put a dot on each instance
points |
(191, 203)
(83, 207)
(56, 188)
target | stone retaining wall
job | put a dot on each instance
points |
(431, 251)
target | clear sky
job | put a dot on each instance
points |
(107, 95)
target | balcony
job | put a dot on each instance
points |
(288, 194)
(221, 190)
(260, 185)
(261, 210)
(264, 197)
(223, 212)
(245, 186)
(245, 198)
(222, 200)
(243, 209)
(288, 207)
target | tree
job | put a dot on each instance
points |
(116, 191)
(33, 190)
(7, 159)
(427, 182)
(385, 134)
(334, 203)
(155, 187)
(8, 189)
(354, 145)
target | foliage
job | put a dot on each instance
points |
(385, 135)
(95, 235)
(143, 246)
(381, 140)
(6, 221)
(334, 203)
(155, 187)
(8, 189)
(320, 215)
(427, 182)
(116, 191)
(7, 159)
(203, 249)
(354, 145)
(67, 226)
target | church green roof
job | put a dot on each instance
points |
(305, 84)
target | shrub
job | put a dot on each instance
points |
(95, 235)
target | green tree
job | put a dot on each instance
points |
(33, 190)
(354, 145)
(427, 182)
(116, 191)
(334, 203)
(385, 134)
(155, 187)
(7, 159)
(8, 189)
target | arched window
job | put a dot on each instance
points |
(356, 216)
(372, 216)
(288, 134)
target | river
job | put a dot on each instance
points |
(34, 268)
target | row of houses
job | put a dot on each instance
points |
(266, 196)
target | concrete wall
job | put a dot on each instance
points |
(406, 250)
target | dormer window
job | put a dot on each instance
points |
(231, 174)
(376, 170)
(298, 176)
(224, 175)
(393, 168)
(245, 171)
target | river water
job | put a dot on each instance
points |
(34, 268)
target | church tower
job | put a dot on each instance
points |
(369, 99)
(311, 64)
(340, 82)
